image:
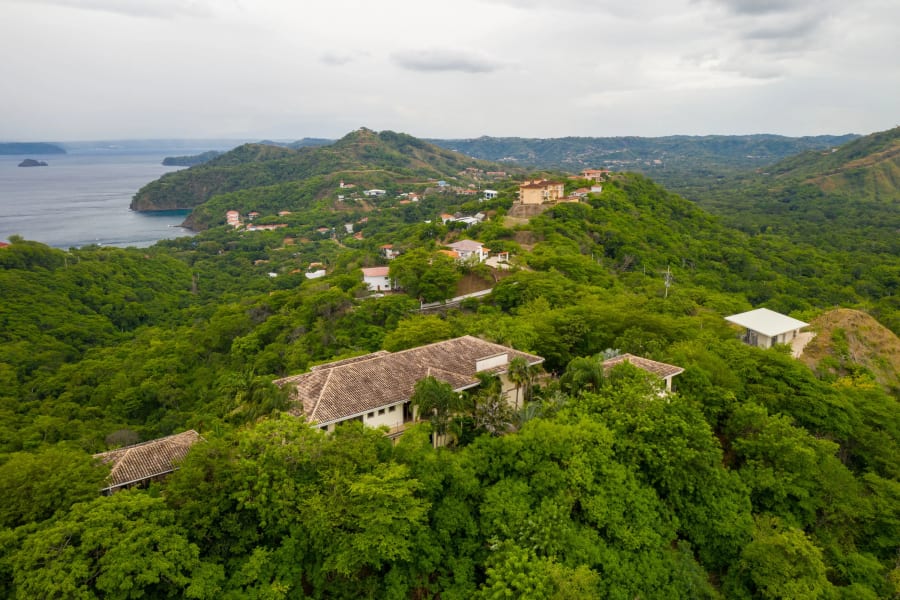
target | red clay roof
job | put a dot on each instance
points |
(376, 272)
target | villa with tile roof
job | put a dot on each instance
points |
(765, 328)
(470, 249)
(662, 370)
(149, 461)
(376, 388)
(378, 279)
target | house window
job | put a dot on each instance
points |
(380, 411)
(392, 409)
(371, 415)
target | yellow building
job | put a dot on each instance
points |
(540, 191)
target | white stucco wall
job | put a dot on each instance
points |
(378, 284)
(392, 416)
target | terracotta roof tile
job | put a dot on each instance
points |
(139, 462)
(657, 368)
(466, 246)
(342, 390)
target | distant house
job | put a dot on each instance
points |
(252, 215)
(377, 279)
(662, 370)
(233, 218)
(375, 389)
(581, 192)
(470, 250)
(469, 221)
(315, 270)
(140, 464)
(765, 328)
(376, 193)
(271, 227)
(490, 194)
(540, 191)
(388, 252)
(595, 174)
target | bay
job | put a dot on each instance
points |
(82, 198)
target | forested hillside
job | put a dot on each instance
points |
(760, 477)
(398, 156)
(668, 160)
(845, 203)
(842, 198)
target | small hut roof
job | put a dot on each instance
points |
(140, 462)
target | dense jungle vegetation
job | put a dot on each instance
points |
(758, 478)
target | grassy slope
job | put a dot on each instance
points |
(850, 336)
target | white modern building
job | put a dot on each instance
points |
(765, 328)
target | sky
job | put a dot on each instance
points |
(287, 69)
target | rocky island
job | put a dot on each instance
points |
(30, 162)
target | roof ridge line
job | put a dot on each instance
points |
(312, 413)
(119, 462)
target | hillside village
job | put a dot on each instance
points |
(541, 193)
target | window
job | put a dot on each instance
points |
(380, 411)
(371, 415)
(392, 409)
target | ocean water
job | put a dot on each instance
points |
(82, 198)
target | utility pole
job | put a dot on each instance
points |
(668, 280)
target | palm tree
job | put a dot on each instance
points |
(436, 401)
(519, 372)
(583, 373)
(489, 408)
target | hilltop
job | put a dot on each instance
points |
(848, 339)
(360, 154)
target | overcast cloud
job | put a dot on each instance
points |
(92, 69)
